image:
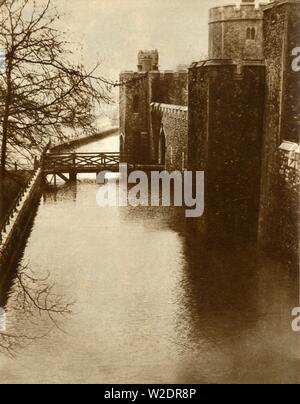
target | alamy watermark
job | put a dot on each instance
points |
(296, 60)
(160, 188)
(296, 321)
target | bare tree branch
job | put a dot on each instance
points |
(42, 94)
(35, 303)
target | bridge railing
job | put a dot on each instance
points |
(6, 219)
(79, 161)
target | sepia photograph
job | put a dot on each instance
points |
(149, 194)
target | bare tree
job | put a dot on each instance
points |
(35, 304)
(42, 94)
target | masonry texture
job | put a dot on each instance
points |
(282, 113)
(230, 116)
(12, 233)
(236, 33)
(170, 129)
(225, 137)
(140, 133)
(134, 115)
(288, 187)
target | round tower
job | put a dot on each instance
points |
(236, 31)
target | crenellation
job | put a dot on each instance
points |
(227, 116)
(234, 12)
(288, 183)
(171, 109)
(148, 61)
(235, 32)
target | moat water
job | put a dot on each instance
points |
(151, 303)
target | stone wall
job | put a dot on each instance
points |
(231, 114)
(282, 107)
(224, 140)
(288, 209)
(169, 87)
(139, 90)
(236, 32)
(148, 60)
(135, 115)
(12, 233)
(169, 133)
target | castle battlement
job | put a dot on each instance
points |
(234, 12)
(178, 110)
(133, 72)
(148, 60)
(132, 76)
(226, 62)
(173, 73)
(215, 117)
(277, 3)
(236, 32)
(166, 73)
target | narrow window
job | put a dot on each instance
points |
(253, 33)
(248, 33)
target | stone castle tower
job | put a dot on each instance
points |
(140, 135)
(148, 61)
(243, 103)
(279, 205)
(236, 32)
(227, 116)
(226, 112)
(134, 117)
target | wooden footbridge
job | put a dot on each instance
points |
(68, 165)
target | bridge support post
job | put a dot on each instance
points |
(73, 176)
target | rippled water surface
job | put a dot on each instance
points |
(152, 304)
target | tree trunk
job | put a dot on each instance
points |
(5, 126)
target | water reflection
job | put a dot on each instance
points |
(63, 192)
(236, 304)
(233, 319)
(30, 304)
(154, 303)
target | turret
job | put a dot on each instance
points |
(148, 61)
(236, 31)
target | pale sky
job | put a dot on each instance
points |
(113, 31)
